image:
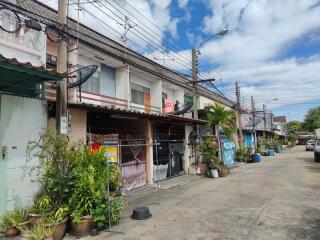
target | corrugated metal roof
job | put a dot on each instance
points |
(51, 74)
(132, 112)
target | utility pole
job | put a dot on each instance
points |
(239, 115)
(61, 101)
(264, 121)
(194, 81)
(254, 122)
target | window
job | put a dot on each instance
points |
(138, 93)
(188, 99)
(92, 84)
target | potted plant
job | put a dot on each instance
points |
(209, 152)
(41, 232)
(57, 221)
(82, 201)
(12, 223)
(241, 154)
(41, 204)
(223, 170)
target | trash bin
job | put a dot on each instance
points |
(278, 149)
(271, 153)
(257, 157)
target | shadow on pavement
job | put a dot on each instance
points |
(309, 227)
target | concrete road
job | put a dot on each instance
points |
(276, 199)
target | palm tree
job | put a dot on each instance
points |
(219, 117)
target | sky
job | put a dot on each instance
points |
(272, 48)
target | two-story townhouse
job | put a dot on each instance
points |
(122, 107)
(23, 108)
(258, 126)
(280, 127)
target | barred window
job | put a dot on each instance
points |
(137, 93)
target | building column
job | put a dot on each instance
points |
(188, 158)
(149, 151)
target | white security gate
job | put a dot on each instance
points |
(21, 120)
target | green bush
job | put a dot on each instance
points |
(16, 218)
(209, 152)
(40, 231)
(242, 154)
(73, 181)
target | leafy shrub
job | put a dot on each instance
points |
(16, 218)
(209, 153)
(40, 231)
(242, 154)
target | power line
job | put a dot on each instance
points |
(84, 38)
(140, 34)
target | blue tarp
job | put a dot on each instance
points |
(228, 151)
(249, 140)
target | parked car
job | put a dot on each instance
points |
(317, 146)
(310, 145)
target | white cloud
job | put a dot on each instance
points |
(261, 33)
(142, 36)
(183, 3)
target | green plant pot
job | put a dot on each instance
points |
(207, 173)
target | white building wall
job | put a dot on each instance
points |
(26, 46)
(122, 83)
(156, 95)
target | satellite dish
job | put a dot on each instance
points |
(83, 74)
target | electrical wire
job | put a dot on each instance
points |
(46, 20)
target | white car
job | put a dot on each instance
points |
(310, 145)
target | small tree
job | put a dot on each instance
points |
(218, 116)
(292, 138)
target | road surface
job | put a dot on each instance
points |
(276, 199)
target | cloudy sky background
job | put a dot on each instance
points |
(272, 48)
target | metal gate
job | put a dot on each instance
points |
(168, 159)
(21, 120)
(133, 163)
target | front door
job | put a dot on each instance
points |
(21, 120)
(147, 102)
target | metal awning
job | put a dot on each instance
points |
(139, 114)
(23, 78)
(12, 68)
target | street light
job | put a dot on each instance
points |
(195, 54)
(221, 34)
(271, 100)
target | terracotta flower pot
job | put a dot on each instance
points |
(83, 228)
(59, 229)
(223, 172)
(47, 238)
(202, 167)
(32, 219)
(12, 231)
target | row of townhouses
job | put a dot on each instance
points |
(125, 105)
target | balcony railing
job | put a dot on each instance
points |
(101, 100)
